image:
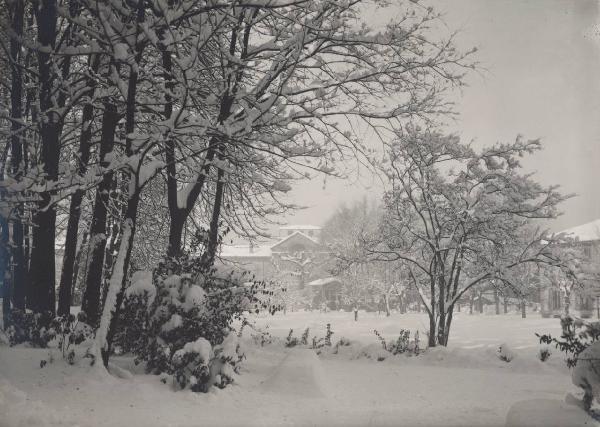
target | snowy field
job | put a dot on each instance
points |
(464, 385)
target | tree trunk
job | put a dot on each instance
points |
(523, 309)
(93, 283)
(448, 324)
(480, 302)
(114, 297)
(505, 303)
(4, 269)
(77, 266)
(471, 302)
(387, 305)
(85, 139)
(497, 301)
(17, 168)
(208, 257)
(42, 272)
(432, 332)
(118, 279)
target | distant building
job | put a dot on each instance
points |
(552, 300)
(296, 259)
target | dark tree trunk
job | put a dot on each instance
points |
(18, 258)
(431, 342)
(497, 301)
(213, 234)
(77, 265)
(4, 269)
(448, 324)
(523, 309)
(66, 279)
(505, 303)
(176, 226)
(93, 284)
(42, 271)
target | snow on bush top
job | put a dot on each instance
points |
(141, 284)
(174, 322)
(201, 347)
(194, 297)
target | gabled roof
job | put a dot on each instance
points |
(585, 232)
(295, 235)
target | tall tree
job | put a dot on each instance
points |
(42, 272)
(458, 218)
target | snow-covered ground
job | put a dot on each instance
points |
(464, 385)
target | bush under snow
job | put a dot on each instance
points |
(586, 374)
(178, 321)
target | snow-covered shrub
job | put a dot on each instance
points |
(183, 322)
(227, 360)
(343, 342)
(34, 329)
(291, 341)
(576, 336)
(304, 338)
(259, 336)
(544, 354)
(319, 343)
(505, 353)
(134, 319)
(69, 331)
(586, 374)
(328, 335)
(402, 344)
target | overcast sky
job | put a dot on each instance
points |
(542, 80)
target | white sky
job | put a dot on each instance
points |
(542, 80)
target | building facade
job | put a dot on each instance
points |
(582, 300)
(296, 260)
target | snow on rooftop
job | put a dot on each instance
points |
(296, 233)
(324, 281)
(300, 227)
(585, 232)
(245, 251)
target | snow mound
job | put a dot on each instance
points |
(300, 373)
(546, 413)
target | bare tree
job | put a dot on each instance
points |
(457, 218)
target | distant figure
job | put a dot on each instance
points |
(355, 313)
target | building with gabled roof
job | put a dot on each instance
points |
(295, 259)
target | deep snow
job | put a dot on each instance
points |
(464, 385)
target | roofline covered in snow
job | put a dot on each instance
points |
(292, 235)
